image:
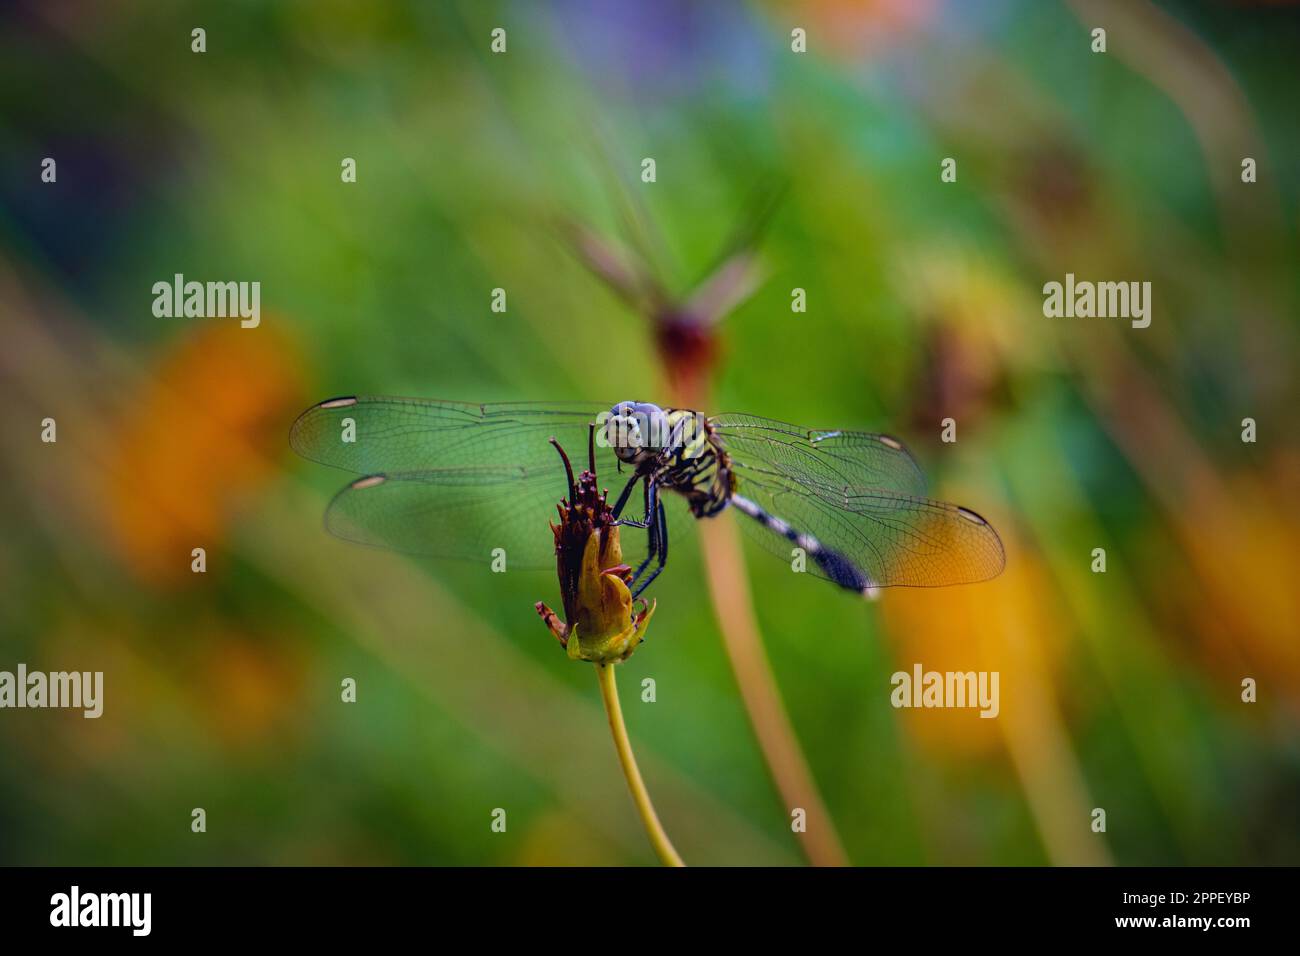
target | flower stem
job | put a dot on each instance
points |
(767, 715)
(654, 829)
(734, 608)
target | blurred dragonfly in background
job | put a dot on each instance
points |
(461, 480)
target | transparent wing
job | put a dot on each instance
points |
(453, 513)
(854, 501)
(831, 459)
(871, 539)
(455, 480)
(386, 435)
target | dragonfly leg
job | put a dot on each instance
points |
(649, 508)
(662, 551)
(663, 534)
(627, 492)
(652, 505)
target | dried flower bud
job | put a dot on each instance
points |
(603, 622)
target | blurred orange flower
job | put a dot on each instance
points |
(1006, 625)
(1014, 625)
(250, 686)
(207, 423)
(1242, 537)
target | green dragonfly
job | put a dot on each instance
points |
(463, 480)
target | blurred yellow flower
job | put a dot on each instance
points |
(1009, 625)
(1242, 537)
(1015, 626)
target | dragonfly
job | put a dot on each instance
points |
(480, 481)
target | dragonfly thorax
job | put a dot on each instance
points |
(638, 432)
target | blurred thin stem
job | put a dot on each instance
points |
(654, 829)
(734, 605)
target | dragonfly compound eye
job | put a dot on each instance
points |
(636, 429)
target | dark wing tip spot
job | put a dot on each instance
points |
(302, 433)
(996, 567)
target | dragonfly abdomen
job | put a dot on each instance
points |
(833, 564)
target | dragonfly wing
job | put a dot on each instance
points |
(863, 538)
(829, 459)
(474, 514)
(451, 479)
(376, 435)
(456, 513)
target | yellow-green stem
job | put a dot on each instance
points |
(654, 829)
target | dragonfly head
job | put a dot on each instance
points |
(637, 431)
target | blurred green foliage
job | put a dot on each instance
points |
(924, 301)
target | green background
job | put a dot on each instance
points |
(1119, 690)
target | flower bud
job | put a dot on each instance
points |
(603, 622)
